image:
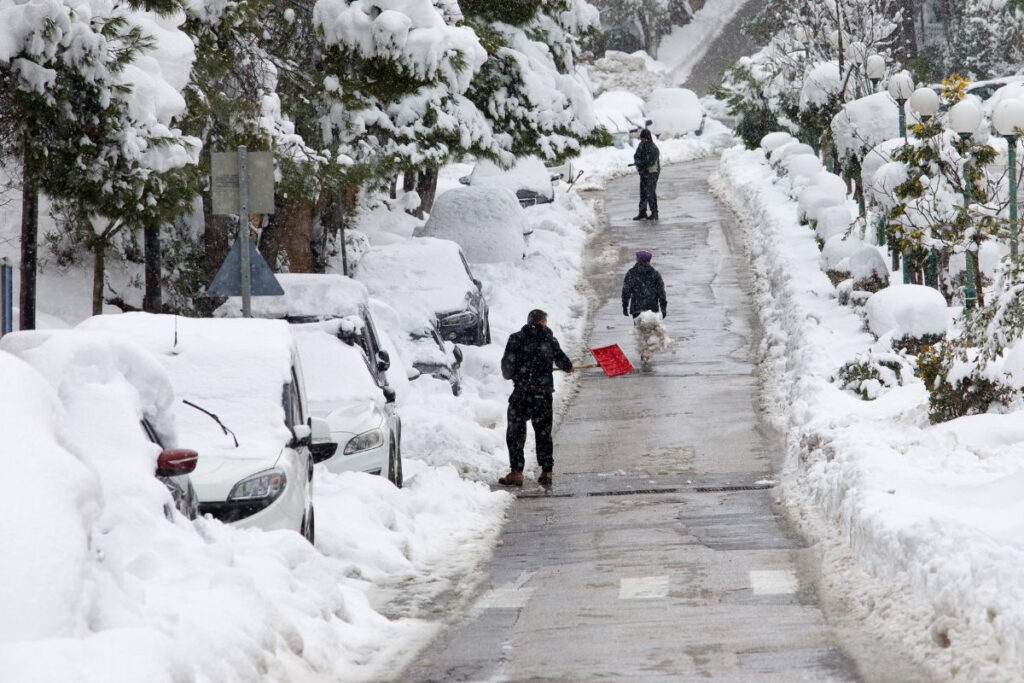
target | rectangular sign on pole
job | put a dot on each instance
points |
(225, 182)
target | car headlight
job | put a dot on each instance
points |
(464, 319)
(364, 441)
(263, 486)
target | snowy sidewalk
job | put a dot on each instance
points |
(658, 553)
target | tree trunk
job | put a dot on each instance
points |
(152, 300)
(426, 185)
(99, 252)
(273, 233)
(298, 235)
(29, 247)
(331, 212)
(973, 255)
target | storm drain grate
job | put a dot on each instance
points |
(738, 487)
(632, 492)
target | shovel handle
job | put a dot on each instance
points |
(581, 367)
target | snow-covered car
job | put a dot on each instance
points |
(622, 113)
(486, 222)
(134, 407)
(986, 89)
(529, 180)
(422, 346)
(340, 305)
(242, 404)
(432, 276)
(362, 418)
(675, 113)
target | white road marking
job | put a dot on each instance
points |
(643, 588)
(511, 595)
(773, 582)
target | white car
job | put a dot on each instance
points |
(529, 179)
(242, 404)
(362, 393)
(362, 417)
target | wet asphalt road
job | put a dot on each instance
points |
(659, 554)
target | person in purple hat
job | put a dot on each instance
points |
(643, 288)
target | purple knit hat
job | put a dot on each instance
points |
(643, 256)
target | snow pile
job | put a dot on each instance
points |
(46, 490)
(487, 222)
(635, 73)
(675, 112)
(907, 310)
(921, 525)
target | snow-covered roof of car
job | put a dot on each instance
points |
(619, 111)
(423, 272)
(674, 112)
(319, 295)
(487, 222)
(335, 372)
(528, 173)
(234, 368)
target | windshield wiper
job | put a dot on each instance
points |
(215, 419)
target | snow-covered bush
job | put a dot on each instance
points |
(837, 249)
(802, 169)
(872, 373)
(826, 191)
(866, 273)
(787, 149)
(675, 112)
(832, 221)
(960, 383)
(772, 141)
(912, 316)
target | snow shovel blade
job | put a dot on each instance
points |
(612, 360)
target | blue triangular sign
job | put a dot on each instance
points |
(228, 281)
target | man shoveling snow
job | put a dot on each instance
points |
(643, 296)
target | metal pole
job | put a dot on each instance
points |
(243, 230)
(6, 298)
(971, 286)
(903, 120)
(1011, 141)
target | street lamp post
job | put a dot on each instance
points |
(965, 118)
(901, 87)
(925, 103)
(876, 70)
(1008, 119)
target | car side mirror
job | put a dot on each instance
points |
(383, 361)
(175, 461)
(457, 352)
(321, 447)
(389, 395)
(300, 436)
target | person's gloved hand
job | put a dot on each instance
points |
(664, 314)
(625, 312)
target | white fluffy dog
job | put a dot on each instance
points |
(651, 337)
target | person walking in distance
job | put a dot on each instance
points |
(528, 359)
(646, 158)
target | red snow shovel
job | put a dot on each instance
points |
(612, 360)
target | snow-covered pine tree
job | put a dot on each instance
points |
(984, 38)
(528, 88)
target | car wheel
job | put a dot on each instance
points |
(395, 466)
(309, 527)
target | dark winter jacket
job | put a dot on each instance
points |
(643, 290)
(529, 356)
(646, 157)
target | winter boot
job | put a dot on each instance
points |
(545, 478)
(653, 216)
(640, 217)
(513, 478)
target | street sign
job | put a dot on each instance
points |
(228, 281)
(224, 182)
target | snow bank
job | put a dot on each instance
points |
(314, 295)
(920, 526)
(486, 221)
(907, 310)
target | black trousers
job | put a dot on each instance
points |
(649, 194)
(526, 406)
